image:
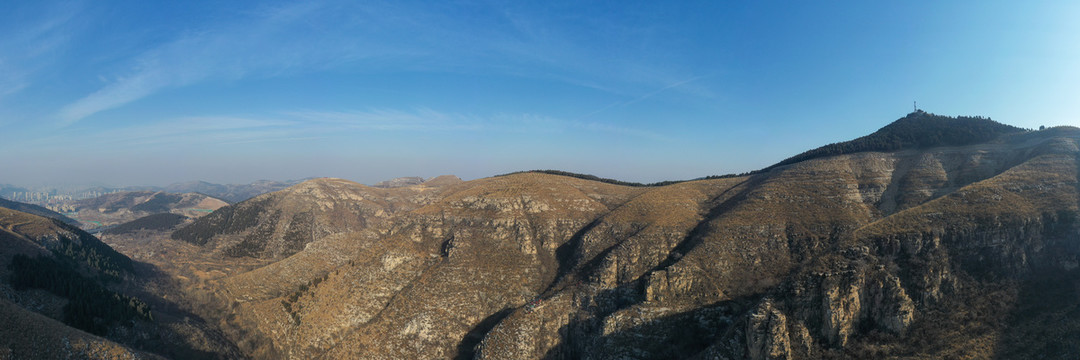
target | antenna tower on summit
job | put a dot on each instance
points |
(915, 104)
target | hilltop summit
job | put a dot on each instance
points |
(934, 237)
(917, 130)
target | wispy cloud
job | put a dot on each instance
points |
(421, 119)
(27, 44)
(269, 42)
(192, 131)
(540, 124)
(428, 120)
(10, 82)
(121, 92)
(202, 131)
(646, 96)
(526, 41)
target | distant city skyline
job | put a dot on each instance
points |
(154, 93)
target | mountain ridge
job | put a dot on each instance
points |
(641, 266)
(231, 193)
(122, 207)
(36, 210)
(918, 129)
(920, 252)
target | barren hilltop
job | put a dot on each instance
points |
(935, 237)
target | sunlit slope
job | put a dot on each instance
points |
(922, 252)
(281, 223)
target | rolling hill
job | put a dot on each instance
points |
(121, 207)
(155, 222)
(917, 130)
(934, 237)
(927, 247)
(232, 193)
(279, 224)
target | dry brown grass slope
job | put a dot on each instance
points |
(503, 229)
(857, 255)
(936, 279)
(790, 235)
(279, 224)
(122, 207)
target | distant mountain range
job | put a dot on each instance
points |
(232, 193)
(400, 182)
(120, 207)
(935, 237)
(913, 241)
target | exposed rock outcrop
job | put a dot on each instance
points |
(857, 255)
(767, 334)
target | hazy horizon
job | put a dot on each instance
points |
(159, 93)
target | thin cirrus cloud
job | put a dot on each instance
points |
(212, 131)
(320, 35)
(641, 98)
(25, 51)
(425, 119)
(267, 43)
(421, 119)
(184, 131)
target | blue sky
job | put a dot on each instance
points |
(143, 92)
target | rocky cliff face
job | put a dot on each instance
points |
(282, 223)
(932, 276)
(916, 253)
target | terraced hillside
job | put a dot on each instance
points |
(925, 252)
(117, 208)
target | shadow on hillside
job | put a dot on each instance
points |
(150, 275)
(569, 257)
(568, 254)
(674, 336)
(696, 236)
(170, 319)
(466, 349)
(677, 335)
(1046, 319)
